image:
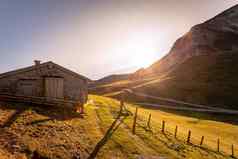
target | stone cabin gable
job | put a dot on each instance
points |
(48, 80)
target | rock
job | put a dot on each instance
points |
(16, 146)
(21, 156)
(177, 147)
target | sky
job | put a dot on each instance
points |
(96, 38)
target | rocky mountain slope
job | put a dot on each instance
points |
(201, 68)
(216, 36)
(202, 65)
(205, 79)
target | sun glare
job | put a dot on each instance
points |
(142, 59)
(144, 50)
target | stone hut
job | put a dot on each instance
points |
(47, 83)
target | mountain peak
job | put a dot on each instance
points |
(216, 36)
(229, 13)
(226, 21)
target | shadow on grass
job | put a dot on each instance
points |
(178, 145)
(52, 112)
(12, 118)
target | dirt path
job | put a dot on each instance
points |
(181, 105)
(208, 110)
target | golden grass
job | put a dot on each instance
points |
(211, 130)
(53, 133)
(162, 145)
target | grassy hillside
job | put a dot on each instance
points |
(109, 88)
(57, 133)
(109, 79)
(206, 79)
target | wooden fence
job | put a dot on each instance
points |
(188, 138)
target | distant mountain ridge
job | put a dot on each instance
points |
(109, 79)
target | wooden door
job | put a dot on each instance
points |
(26, 87)
(54, 87)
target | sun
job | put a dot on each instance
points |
(143, 59)
(143, 51)
(134, 51)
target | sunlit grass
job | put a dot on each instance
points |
(166, 143)
(211, 130)
(46, 132)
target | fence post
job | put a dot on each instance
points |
(121, 103)
(202, 139)
(232, 151)
(218, 145)
(175, 132)
(189, 137)
(134, 122)
(163, 126)
(122, 99)
(148, 122)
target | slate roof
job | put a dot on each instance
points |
(26, 69)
